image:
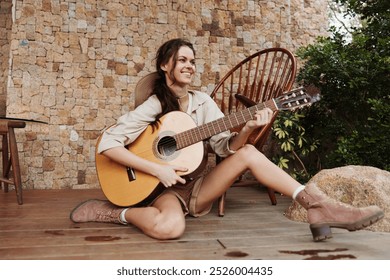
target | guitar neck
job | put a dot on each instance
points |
(205, 131)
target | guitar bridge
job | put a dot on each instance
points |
(130, 174)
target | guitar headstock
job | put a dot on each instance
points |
(297, 98)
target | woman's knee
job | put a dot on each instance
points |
(170, 227)
(250, 154)
(249, 150)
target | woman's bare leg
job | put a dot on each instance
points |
(225, 173)
(323, 213)
(163, 220)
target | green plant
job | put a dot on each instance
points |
(293, 146)
(368, 147)
(352, 119)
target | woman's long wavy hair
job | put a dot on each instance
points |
(167, 98)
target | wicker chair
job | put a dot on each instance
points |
(262, 76)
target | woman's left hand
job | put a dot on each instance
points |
(263, 117)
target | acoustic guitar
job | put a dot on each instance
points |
(178, 141)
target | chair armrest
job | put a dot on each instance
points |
(245, 100)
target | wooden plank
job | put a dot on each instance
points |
(251, 229)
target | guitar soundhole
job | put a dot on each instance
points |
(166, 146)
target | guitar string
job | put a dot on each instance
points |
(205, 130)
(212, 128)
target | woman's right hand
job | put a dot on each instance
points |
(167, 175)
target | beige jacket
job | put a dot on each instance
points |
(132, 124)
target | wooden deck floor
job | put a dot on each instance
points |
(40, 229)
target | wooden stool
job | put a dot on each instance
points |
(10, 156)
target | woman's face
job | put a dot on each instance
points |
(183, 72)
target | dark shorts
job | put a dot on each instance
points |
(187, 195)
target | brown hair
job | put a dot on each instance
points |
(167, 98)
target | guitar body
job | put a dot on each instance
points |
(125, 186)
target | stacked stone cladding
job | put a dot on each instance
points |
(75, 63)
(5, 33)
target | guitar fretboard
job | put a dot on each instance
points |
(202, 132)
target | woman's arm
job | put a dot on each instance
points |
(127, 129)
(263, 118)
(165, 173)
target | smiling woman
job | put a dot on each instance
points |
(181, 72)
(175, 62)
(162, 213)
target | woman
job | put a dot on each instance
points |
(164, 217)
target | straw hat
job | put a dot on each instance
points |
(144, 87)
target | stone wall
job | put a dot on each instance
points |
(5, 36)
(75, 64)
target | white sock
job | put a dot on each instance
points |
(122, 216)
(297, 191)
